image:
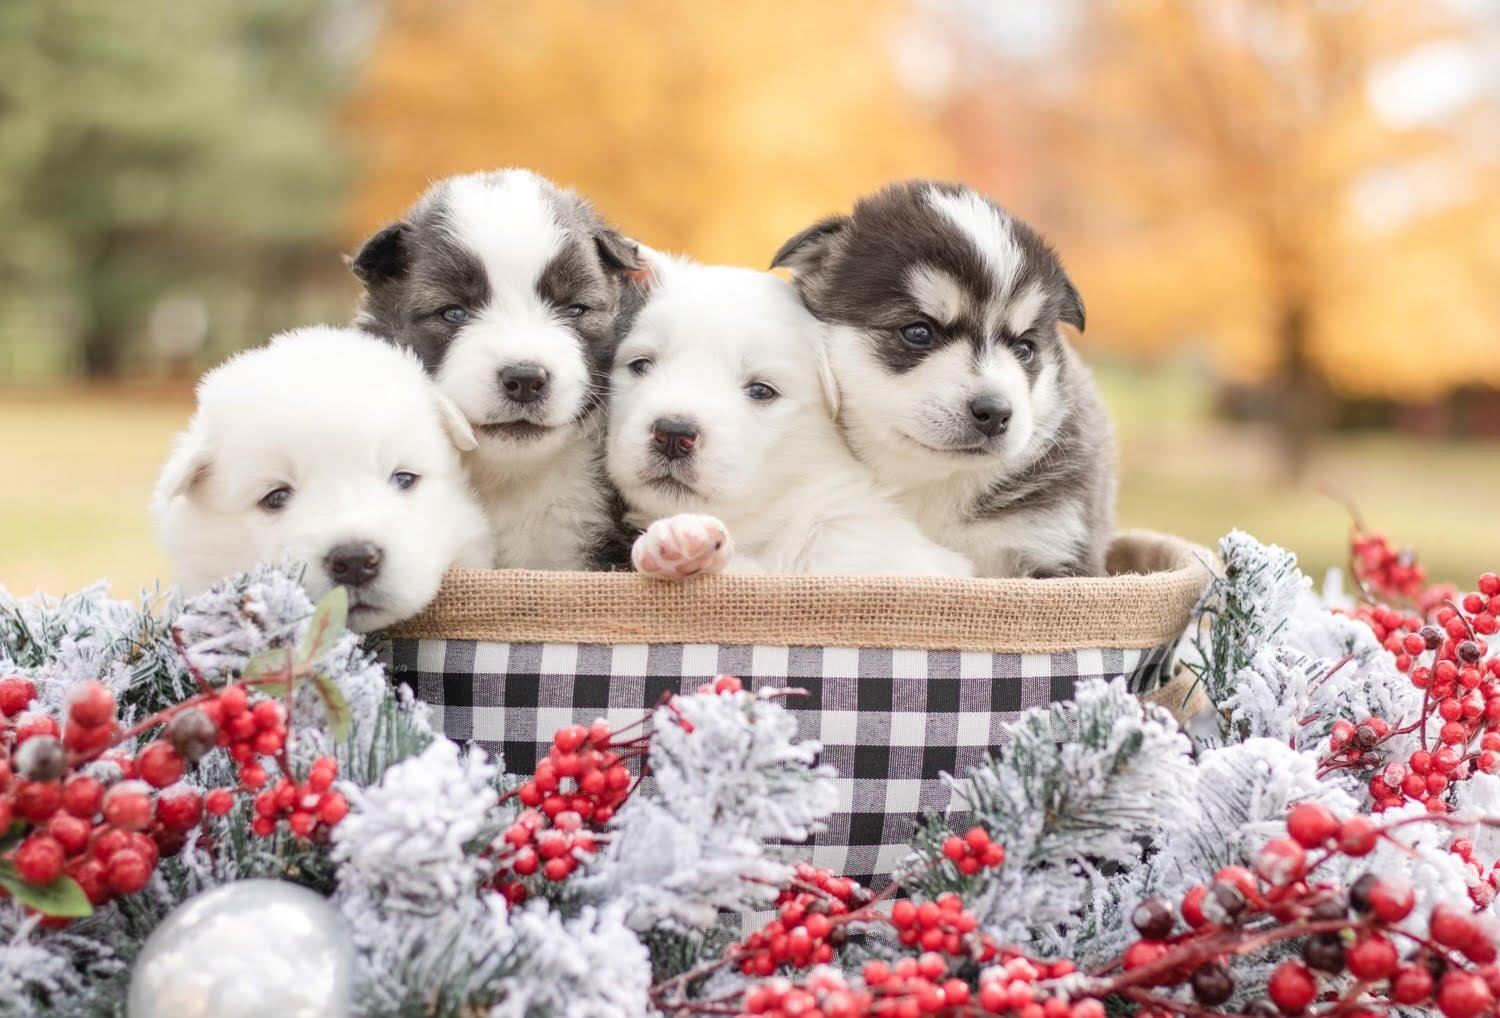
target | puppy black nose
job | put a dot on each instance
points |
(674, 437)
(524, 383)
(991, 415)
(354, 563)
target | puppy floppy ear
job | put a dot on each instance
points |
(383, 257)
(1071, 308)
(185, 470)
(460, 433)
(807, 251)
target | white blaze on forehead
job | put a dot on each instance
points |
(936, 292)
(1024, 310)
(987, 228)
(507, 220)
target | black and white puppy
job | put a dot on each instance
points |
(956, 386)
(507, 287)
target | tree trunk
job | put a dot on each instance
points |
(100, 348)
(1302, 395)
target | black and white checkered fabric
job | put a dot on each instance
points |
(890, 721)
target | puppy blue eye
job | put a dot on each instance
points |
(1025, 350)
(574, 311)
(403, 479)
(275, 499)
(761, 392)
(454, 315)
(640, 365)
(918, 335)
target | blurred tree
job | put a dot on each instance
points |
(1225, 173)
(154, 145)
(714, 129)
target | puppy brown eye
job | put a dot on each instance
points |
(404, 479)
(454, 315)
(275, 499)
(640, 366)
(918, 335)
(575, 311)
(1025, 350)
(761, 392)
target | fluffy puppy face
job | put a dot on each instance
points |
(332, 449)
(717, 392)
(506, 287)
(943, 312)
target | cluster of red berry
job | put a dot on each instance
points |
(572, 793)
(108, 837)
(1385, 571)
(1012, 988)
(1351, 931)
(1443, 647)
(311, 808)
(805, 930)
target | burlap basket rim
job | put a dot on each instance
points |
(1147, 601)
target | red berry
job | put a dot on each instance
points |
(179, 810)
(1372, 957)
(16, 694)
(39, 859)
(71, 832)
(1451, 927)
(954, 848)
(1463, 995)
(1412, 984)
(127, 871)
(218, 801)
(1292, 987)
(1391, 899)
(91, 705)
(127, 806)
(1281, 862)
(82, 796)
(1192, 907)
(159, 764)
(1311, 825)
(302, 824)
(1357, 836)
(37, 800)
(90, 876)
(333, 808)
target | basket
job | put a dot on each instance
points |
(907, 678)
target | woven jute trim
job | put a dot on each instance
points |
(1154, 584)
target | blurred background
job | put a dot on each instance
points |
(1284, 215)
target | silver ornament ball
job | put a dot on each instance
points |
(249, 949)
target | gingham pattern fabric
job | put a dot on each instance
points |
(891, 722)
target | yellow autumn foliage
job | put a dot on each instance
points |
(710, 128)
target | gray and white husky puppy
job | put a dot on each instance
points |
(507, 287)
(955, 384)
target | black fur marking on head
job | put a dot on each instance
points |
(593, 268)
(807, 249)
(381, 257)
(617, 251)
(855, 270)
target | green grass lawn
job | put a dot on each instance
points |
(80, 466)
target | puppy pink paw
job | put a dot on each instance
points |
(681, 546)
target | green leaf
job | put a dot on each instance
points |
(274, 662)
(327, 625)
(62, 898)
(340, 719)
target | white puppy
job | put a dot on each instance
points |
(332, 449)
(721, 413)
